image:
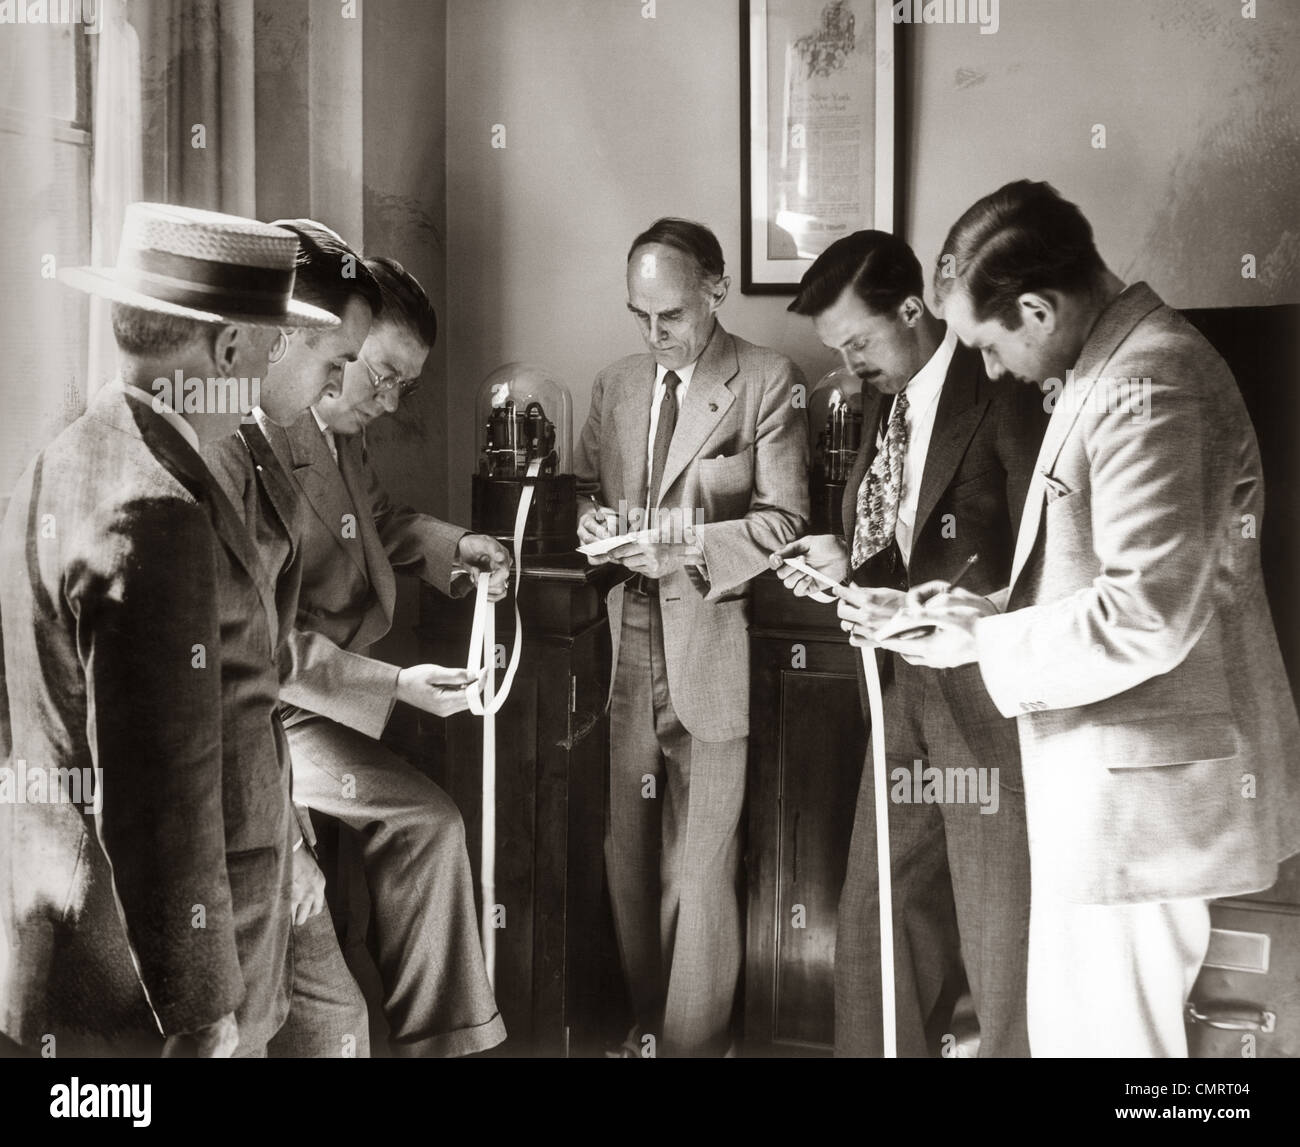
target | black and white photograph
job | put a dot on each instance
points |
(543, 530)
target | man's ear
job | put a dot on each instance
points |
(226, 346)
(910, 310)
(718, 292)
(1039, 310)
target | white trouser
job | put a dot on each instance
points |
(1111, 980)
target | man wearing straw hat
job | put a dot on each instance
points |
(141, 649)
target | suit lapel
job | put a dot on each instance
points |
(180, 459)
(960, 409)
(707, 400)
(273, 479)
(1112, 328)
(632, 417)
(378, 568)
(322, 483)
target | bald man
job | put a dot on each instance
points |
(700, 437)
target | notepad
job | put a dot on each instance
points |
(900, 624)
(604, 545)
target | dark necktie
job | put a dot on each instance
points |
(664, 428)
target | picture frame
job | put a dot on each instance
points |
(818, 115)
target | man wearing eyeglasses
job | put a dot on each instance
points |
(337, 699)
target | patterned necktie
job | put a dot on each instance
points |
(664, 428)
(879, 494)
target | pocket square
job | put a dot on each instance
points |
(1055, 488)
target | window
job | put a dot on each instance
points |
(46, 155)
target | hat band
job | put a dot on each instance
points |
(207, 285)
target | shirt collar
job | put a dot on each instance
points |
(926, 383)
(684, 373)
(160, 407)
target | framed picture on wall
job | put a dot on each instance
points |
(817, 131)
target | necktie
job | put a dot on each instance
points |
(664, 428)
(881, 489)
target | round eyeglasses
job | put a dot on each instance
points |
(386, 384)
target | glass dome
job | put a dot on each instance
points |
(835, 422)
(523, 412)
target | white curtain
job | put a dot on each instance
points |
(118, 168)
(45, 155)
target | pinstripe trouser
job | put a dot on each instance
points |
(672, 850)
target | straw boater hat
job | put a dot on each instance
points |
(205, 266)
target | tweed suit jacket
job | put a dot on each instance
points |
(140, 642)
(738, 464)
(1159, 737)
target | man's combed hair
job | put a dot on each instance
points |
(1023, 237)
(328, 271)
(405, 301)
(881, 267)
(148, 334)
(693, 239)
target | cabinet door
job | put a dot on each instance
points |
(807, 745)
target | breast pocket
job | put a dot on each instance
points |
(725, 485)
(971, 484)
(729, 473)
(1070, 508)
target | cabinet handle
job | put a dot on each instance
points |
(1231, 1016)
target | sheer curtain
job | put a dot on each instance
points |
(45, 154)
(118, 170)
(173, 122)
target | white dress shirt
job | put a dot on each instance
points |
(661, 373)
(922, 403)
(329, 435)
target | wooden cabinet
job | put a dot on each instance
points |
(557, 977)
(807, 743)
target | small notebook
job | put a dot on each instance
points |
(604, 545)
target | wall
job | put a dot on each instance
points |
(351, 116)
(404, 205)
(330, 146)
(613, 119)
(1202, 114)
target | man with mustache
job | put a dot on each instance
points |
(942, 472)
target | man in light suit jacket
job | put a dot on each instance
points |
(1134, 643)
(960, 866)
(703, 439)
(337, 699)
(142, 643)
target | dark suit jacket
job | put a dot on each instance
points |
(169, 907)
(981, 457)
(982, 450)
